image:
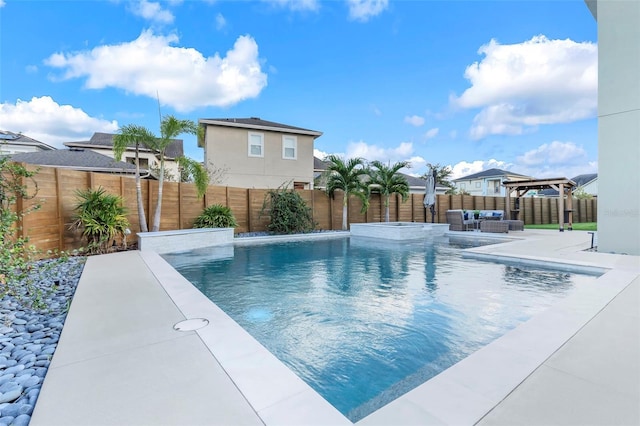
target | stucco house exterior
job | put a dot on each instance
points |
(257, 153)
(102, 143)
(16, 143)
(487, 182)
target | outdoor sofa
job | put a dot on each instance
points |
(488, 221)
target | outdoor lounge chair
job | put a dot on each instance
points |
(494, 226)
(457, 222)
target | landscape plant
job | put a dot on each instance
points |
(134, 135)
(386, 180)
(289, 212)
(101, 218)
(15, 252)
(170, 128)
(348, 177)
(216, 216)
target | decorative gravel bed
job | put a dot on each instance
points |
(29, 336)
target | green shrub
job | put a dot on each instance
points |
(216, 216)
(101, 217)
(289, 212)
(16, 254)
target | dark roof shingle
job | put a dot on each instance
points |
(74, 158)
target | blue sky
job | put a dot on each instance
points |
(469, 84)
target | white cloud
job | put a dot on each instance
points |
(431, 133)
(182, 76)
(539, 81)
(2, 3)
(221, 22)
(151, 11)
(31, 69)
(45, 120)
(374, 152)
(296, 5)
(414, 120)
(465, 168)
(554, 153)
(363, 10)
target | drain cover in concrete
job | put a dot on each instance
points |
(191, 324)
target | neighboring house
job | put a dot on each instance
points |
(76, 159)
(256, 153)
(587, 182)
(16, 143)
(487, 182)
(418, 185)
(102, 143)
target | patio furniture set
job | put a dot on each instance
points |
(486, 221)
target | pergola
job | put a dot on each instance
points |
(564, 187)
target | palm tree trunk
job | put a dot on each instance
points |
(345, 208)
(386, 208)
(141, 216)
(156, 215)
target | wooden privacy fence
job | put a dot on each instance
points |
(49, 227)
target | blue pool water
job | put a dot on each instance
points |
(364, 321)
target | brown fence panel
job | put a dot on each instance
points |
(537, 211)
(191, 206)
(322, 210)
(354, 215)
(478, 203)
(417, 209)
(490, 203)
(553, 209)
(405, 209)
(468, 202)
(545, 210)
(255, 201)
(237, 200)
(456, 202)
(582, 210)
(526, 207)
(41, 225)
(500, 204)
(443, 203)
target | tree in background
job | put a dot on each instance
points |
(347, 176)
(442, 176)
(193, 171)
(386, 180)
(134, 135)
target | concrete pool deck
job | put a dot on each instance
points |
(120, 360)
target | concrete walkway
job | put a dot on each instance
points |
(121, 362)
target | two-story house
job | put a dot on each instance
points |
(487, 182)
(17, 143)
(102, 143)
(256, 153)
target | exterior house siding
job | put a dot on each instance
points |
(227, 148)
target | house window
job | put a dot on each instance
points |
(256, 145)
(144, 162)
(478, 184)
(289, 147)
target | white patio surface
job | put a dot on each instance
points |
(120, 361)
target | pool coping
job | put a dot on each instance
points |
(277, 396)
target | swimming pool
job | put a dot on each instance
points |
(364, 321)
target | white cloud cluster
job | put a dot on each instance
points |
(45, 120)
(414, 120)
(2, 3)
(296, 5)
(554, 153)
(183, 77)
(363, 10)
(221, 22)
(151, 11)
(465, 168)
(431, 133)
(539, 81)
(402, 152)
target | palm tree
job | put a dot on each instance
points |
(194, 171)
(170, 127)
(387, 180)
(134, 135)
(347, 177)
